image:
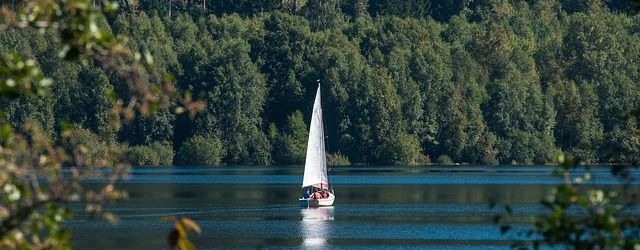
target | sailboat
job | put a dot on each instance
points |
(315, 183)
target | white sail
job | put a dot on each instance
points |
(315, 166)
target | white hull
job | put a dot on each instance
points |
(325, 202)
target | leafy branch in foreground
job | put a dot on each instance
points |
(39, 173)
(580, 215)
(178, 237)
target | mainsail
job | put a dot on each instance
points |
(315, 166)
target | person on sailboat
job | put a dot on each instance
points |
(306, 194)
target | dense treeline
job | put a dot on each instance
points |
(403, 82)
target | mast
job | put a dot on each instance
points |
(324, 156)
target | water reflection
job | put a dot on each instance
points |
(316, 226)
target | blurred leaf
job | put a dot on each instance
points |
(172, 238)
(178, 236)
(190, 224)
(185, 244)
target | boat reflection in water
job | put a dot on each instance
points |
(316, 226)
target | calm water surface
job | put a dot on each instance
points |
(376, 207)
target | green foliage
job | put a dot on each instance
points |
(43, 160)
(235, 92)
(145, 130)
(401, 149)
(142, 156)
(259, 150)
(579, 215)
(444, 160)
(85, 140)
(19, 76)
(156, 154)
(200, 150)
(291, 144)
(624, 142)
(51, 217)
(489, 82)
(323, 14)
(578, 130)
(81, 97)
(338, 159)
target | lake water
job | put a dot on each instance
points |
(376, 207)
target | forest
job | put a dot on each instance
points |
(403, 82)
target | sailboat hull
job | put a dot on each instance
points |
(325, 202)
